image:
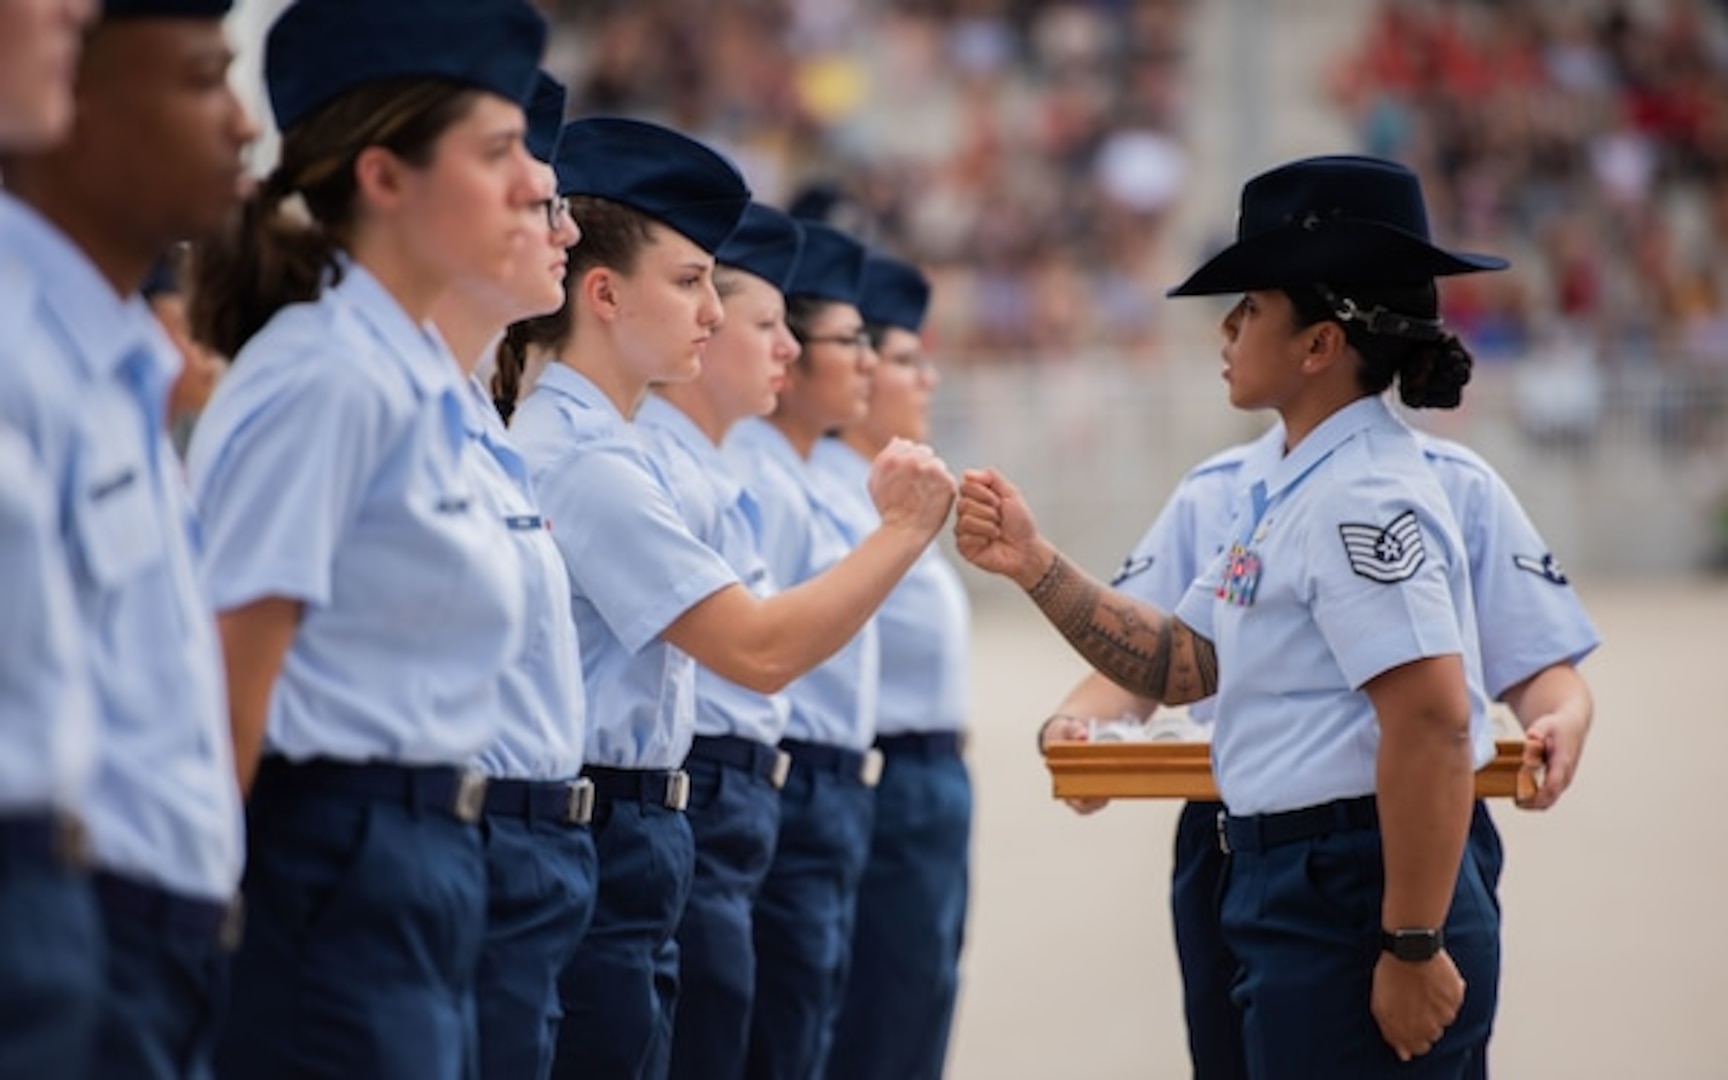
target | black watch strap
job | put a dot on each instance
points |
(1413, 945)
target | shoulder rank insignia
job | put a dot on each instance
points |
(1387, 555)
(1132, 566)
(1547, 566)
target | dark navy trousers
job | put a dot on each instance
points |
(905, 972)
(51, 954)
(1302, 923)
(1209, 968)
(735, 817)
(540, 883)
(365, 919)
(620, 991)
(803, 922)
(167, 982)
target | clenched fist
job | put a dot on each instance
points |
(994, 529)
(911, 486)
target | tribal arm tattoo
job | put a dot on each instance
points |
(1136, 646)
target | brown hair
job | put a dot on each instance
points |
(613, 236)
(272, 258)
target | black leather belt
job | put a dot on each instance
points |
(922, 743)
(864, 766)
(760, 760)
(1262, 831)
(461, 793)
(650, 787)
(47, 839)
(168, 912)
(568, 802)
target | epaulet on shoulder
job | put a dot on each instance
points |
(1437, 449)
(1227, 460)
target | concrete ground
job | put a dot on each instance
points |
(1616, 956)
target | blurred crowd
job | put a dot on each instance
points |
(1025, 152)
(1589, 138)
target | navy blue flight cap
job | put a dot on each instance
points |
(1336, 220)
(831, 267)
(544, 107)
(766, 243)
(894, 293)
(652, 169)
(165, 9)
(318, 50)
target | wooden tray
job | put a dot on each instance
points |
(1183, 770)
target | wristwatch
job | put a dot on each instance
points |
(1413, 945)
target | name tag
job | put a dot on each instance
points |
(113, 485)
(524, 522)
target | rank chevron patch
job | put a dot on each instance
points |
(1387, 555)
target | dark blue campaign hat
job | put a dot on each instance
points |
(1331, 220)
(165, 9)
(767, 243)
(657, 171)
(894, 293)
(831, 267)
(318, 50)
(544, 107)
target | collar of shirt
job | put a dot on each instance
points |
(1353, 419)
(105, 329)
(658, 413)
(481, 421)
(422, 353)
(566, 381)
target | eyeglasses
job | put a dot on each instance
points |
(557, 211)
(856, 342)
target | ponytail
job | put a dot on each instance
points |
(266, 262)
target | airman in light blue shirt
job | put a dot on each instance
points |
(163, 808)
(802, 535)
(47, 712)
(633, 568)
(923, 626)
(1529, 621)
(542, 693)
(723, 514)
(372, 519)
(1380, 577)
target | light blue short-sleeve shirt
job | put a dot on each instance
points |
(633, 568)
(540, 691)
(722, 515)
(333, 467)
(803, 534)
(1361, 569)
(90, 401)
(1528, 616)
(923, 628)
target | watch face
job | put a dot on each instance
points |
(1412, 945)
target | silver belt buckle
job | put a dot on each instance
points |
(871, 771)
(470, 796)
(782, 769)
(677, 789)
(71, 842)
(579, 806)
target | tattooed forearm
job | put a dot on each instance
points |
(1135, 646)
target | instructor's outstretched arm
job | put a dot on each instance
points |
(1143, 650)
